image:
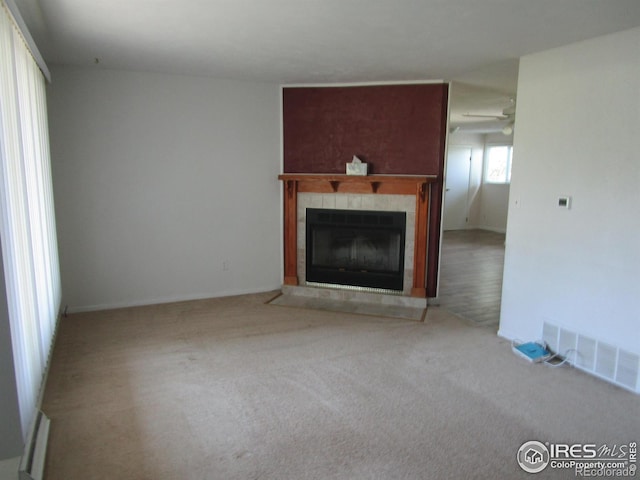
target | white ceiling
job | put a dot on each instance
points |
(317, 41)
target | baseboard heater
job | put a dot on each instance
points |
(606, 361)
(35, 449)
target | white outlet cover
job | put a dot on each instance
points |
(564, 202)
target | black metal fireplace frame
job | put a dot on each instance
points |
(355, 219)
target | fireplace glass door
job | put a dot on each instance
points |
(357, 248)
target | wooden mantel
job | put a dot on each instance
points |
(416, 185)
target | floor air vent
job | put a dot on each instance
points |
(35, 450)
(594, 356)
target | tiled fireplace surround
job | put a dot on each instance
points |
(354, 201)
(376, 192)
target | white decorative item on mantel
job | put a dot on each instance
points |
(356, 167)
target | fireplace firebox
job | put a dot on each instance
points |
(358, 248)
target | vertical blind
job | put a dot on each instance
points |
(27, 221)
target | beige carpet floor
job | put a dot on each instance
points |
(234, 388)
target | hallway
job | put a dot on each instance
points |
(471, 274)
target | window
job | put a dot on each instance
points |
(498, 164)
(27, 224)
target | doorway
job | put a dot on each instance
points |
(481, 104)
(472, 253)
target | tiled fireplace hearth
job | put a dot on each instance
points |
(385, 193)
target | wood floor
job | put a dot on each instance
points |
(471, 274)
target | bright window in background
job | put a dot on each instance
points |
(498, 164)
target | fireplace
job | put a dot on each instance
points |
(407, 195)
(356, 248)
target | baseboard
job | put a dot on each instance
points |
(35, 449)
(491, 229)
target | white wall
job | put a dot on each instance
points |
(9, 468)
(161, 179)
(494, 204)
(577, 134)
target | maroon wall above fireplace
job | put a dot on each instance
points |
(397, 129)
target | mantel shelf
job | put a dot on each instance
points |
(327, 183)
